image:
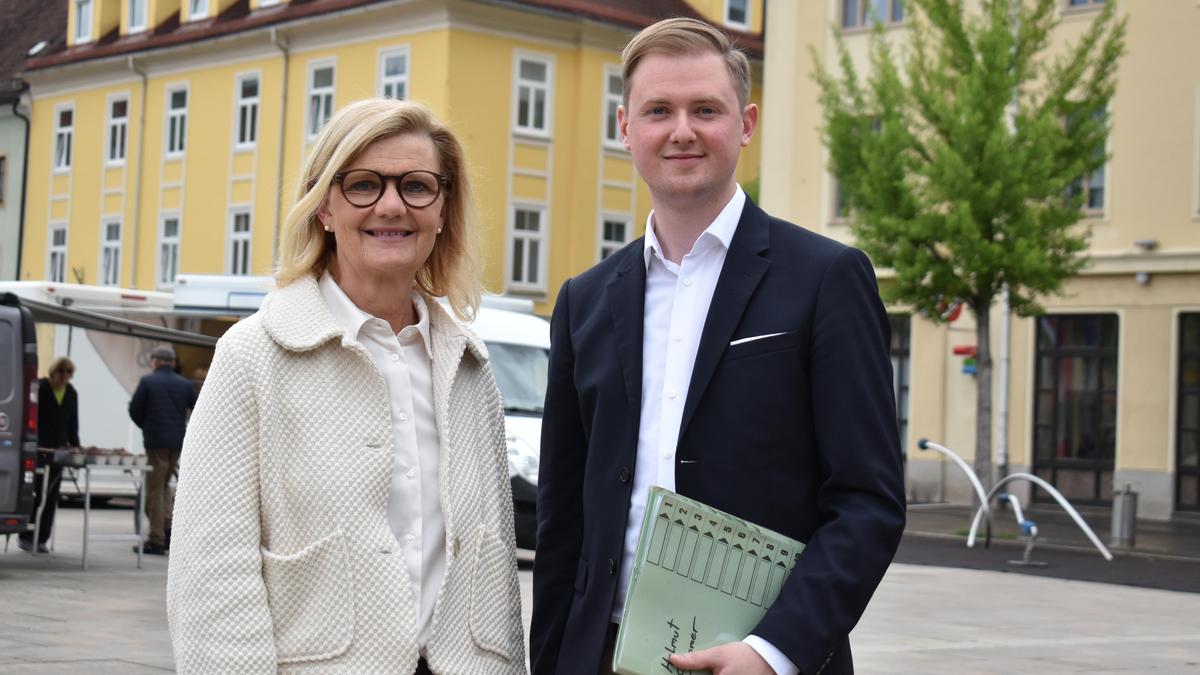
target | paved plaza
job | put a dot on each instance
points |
(57, 618)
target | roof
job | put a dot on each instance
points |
(23, 24)
(237, 18)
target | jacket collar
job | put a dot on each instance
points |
(295, 316)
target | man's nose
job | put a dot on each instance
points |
(681, 131)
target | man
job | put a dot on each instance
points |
(160, 406)
(729, 356)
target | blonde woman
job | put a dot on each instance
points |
(344, 501)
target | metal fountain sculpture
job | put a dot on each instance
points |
(1028, 527)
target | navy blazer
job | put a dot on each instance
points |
(796, 432)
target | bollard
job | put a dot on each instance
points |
(1124, 517)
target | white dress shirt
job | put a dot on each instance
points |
(677, 300)
(414, 506)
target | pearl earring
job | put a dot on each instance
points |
(328, 228)
(439, 230)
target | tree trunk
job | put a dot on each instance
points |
(983, 392)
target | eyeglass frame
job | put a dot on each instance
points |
(443, 183)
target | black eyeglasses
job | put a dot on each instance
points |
(364, 187)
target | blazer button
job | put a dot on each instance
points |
(612, 567)
(457, 543)
(624, 474)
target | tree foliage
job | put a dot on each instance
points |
(960, 159)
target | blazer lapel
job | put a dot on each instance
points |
(744, 267)
(626, 302)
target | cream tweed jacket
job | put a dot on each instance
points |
(282, 559)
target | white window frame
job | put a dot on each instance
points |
(239, 246)
(110, 253)
(56, 254)
(64, 137)
(521, 239)
(113, 126)
(328, 94)
(401, 81)
(547, 89)
(145, 7)
(741, 25)
(613, 245)
(165, 244)
(198, 9)
(243, 105)
(609, 113)
(862, 19)
(83, 29)
(169, 124)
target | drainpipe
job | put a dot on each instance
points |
(16, 108)
(280, 44)
(137, 177)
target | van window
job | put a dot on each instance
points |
(521, 372)
(10, 342)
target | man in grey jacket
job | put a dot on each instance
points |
(160, 406)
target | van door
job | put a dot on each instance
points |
(18, 440)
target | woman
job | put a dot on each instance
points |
(58, 427)
(343, 501)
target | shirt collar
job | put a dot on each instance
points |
(720, 230)
(348, 315)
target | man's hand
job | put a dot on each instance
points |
(734, 658)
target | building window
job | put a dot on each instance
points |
(320, 98)
(528, 246)
(64, 133)
(239, 243)
(613, 96)
(168, 250)
(1091, 186)
(901, 350)
(56, 263)
(247, 111)
(841, 202)
(861, 13)
(1187, 437)
(614, 234)
(1075, 411)
(393, 74)
(176, 121)
(83, 20)
(737, 13)
(118, 126)
(197, 9)
(110, 253)
(1084, 3)
(3, 178)
(533, 95)
(137, 15)
(267, 3)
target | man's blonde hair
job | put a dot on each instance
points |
(684, 37)
(452, 270)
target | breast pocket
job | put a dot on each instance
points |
(741, 348)
(311, 601)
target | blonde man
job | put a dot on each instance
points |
(729, 356)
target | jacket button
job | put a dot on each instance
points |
(624, 474)
(612, 567)
(456, 546)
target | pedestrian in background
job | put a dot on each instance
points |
(345, 475)
(160, 406)
(58, 427)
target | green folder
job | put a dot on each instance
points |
(700, 578)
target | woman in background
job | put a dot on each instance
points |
(58, 427)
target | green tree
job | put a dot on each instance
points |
(962, 163)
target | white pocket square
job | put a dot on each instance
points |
(752, 338)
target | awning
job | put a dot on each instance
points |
(47, 312)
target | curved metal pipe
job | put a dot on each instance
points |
(1062, 501)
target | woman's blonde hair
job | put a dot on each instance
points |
(452, 270)
(61, 363)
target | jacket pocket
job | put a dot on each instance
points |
(311, 601)
(494, 627)
(765, 345)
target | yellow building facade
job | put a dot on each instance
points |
(1103, 391)
(168, 134)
